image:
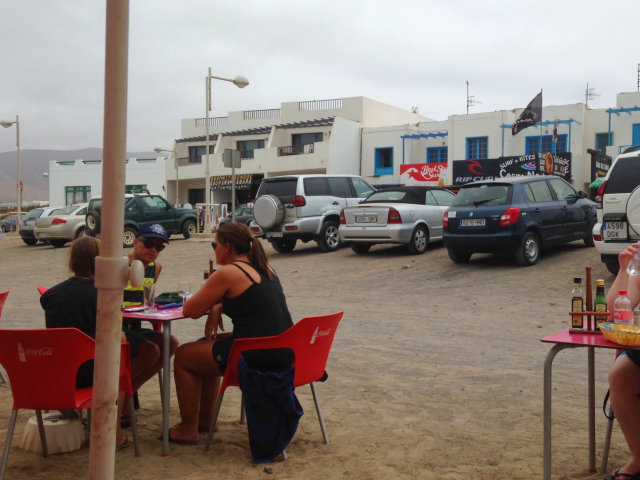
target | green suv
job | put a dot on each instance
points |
(141, 208)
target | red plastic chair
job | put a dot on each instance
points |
(42, 366)
(3, 298)
(310, 339)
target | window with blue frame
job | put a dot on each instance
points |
(384, 161)
(602, 141)
(544, 143)
(437, 154)
(477, 148)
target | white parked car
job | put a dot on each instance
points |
(410, 215)
(618, 204)
(63, 226)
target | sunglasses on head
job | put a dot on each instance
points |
(151, 244)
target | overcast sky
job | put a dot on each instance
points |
(405, 53)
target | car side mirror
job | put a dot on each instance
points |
(582, 194)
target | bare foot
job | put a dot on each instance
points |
(179, 434)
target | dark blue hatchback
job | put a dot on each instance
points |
(517, 215)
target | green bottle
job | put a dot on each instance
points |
(600, 304)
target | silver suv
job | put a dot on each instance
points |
(305, 207)
(618, 201)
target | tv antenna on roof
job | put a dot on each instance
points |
(590, 94)
(471, 100)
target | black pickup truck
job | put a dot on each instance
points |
(141, 208)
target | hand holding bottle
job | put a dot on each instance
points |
(629, 259)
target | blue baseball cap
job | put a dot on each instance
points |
(153, 230)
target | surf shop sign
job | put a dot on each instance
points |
(465, 171)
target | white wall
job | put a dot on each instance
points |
(150, 172)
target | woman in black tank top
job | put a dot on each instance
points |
(248, 291)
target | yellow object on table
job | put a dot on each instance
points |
(621, 333)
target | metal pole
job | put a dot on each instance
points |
(207, 174)
(109, 317)
(175, 157)
(19, 181)
(233, 189)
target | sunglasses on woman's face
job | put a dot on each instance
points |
(151, 244)
(214, 245)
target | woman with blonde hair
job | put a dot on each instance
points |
(247, 290)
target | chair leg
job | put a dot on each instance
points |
(243, 412)
(160, 382)
(134, 427)
(325, 435)
(212, 425)
(7, 443)
(43, 436)
(607, 442)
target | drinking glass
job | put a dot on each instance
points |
(633, 268)
(148, 291)
(184, 290)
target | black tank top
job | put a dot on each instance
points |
(260, 311)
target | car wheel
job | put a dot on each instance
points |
(328, 240)
(283, 245)
(613, 267)
(459, 256)
(189, 228)
(30, 241)
(128, 236)
(360, 247)
(419, 240)
(529, 250)
(57, 243)
(588, 236)
(93, 222)
(82, 232)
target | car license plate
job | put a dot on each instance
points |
(366, 218)
(43, 235)
(614, 230)
(273, 234)
(473, 222)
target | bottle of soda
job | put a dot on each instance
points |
(622, 311)
(577, 303)
(600, 303)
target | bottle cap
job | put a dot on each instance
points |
(577, 279)
(600, 282)
(622, 292)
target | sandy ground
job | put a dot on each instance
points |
(435, 372)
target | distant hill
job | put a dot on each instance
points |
(34, 163)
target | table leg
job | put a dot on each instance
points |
(166, 386)
(591, 393)
(546, 453)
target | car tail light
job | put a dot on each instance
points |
(58, 221)
(599, 195)
(342, 220)
(394, 216)
(445, 220)
(597, 238)
(255, 229)
(299, 201)
(510, 216)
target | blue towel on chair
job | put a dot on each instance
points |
(272, 408)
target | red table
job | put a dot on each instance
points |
(164, 318)
(566, 339)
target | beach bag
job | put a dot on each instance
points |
(168, 297)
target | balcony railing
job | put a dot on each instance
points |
(260, 114)
(186, 161)
(215, 121)
(311, 105)
(297, 150)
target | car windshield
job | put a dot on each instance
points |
(280, 188)
(35, 213)
(482, 195)
(68, 210)
(387, 196)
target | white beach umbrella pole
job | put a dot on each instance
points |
(110, 270)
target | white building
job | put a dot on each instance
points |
(79, 180)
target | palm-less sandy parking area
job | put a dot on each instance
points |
(435, 372)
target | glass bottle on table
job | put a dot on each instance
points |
(577, 303)
(600, 304)
(622, 310)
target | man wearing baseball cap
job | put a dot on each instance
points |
(146, 344)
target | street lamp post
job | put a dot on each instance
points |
(7, 124)
(240, 82)
(175, 157)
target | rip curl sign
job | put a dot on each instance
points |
(423, 174)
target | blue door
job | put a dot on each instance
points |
(635, 140)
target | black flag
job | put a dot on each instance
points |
(530, 115)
